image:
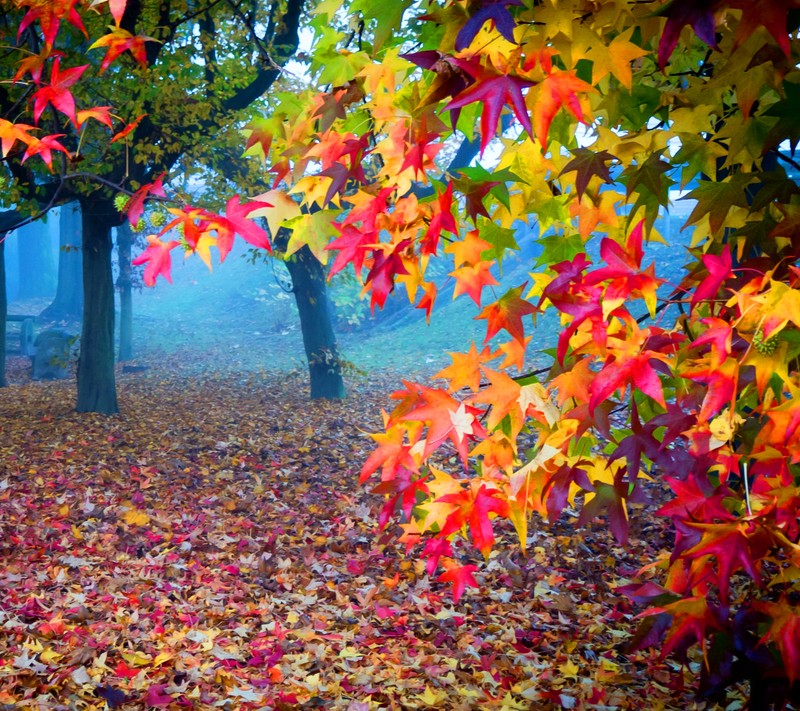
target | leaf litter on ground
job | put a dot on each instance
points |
(210, 548)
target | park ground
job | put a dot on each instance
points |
(210, 547)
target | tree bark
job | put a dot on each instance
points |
(68, 302)
(97, 391)
(124, 286)
(3, 310)
(311, 295)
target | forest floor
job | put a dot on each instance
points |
(210, 548)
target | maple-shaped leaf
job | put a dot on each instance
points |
(465, 370)
(34, 65)
(558, 90)
(10, 133)
(734, 546)
(387, 262)
(773, 15)
(128, 129)
(495, 11)
(494, 90)
(473, 506)
(49, 15)
(391, 454)
(507, 313)
(118, 41)
(434, 549)
(503, 395)
(700, 14)
(102, 114)
(609, 499)
(442, 220)
(460, 577)
(692, 618)
(44, 148)
(451, 79)
(402, 489)
(57, 93)
(716, 199)
(719, 270)
(616, 374)
(135, 206)
(784, 633)
(697, 499)
(471, 278)
(158, 260)
(235, 221)
(588, 163)
(446, 418)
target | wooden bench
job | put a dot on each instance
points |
(26, 347)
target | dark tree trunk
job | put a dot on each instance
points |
(322, 353)
(68, 302)
(97, 391)
(36, 263)
(3, 310)
(124, 286)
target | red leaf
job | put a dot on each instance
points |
(135, 206)
(474, 506)
(460, 577)
(679, 13)
(494, 91)
(507, 313)
(57, 93)
(158, 260)
(784, 633)
(719, 269)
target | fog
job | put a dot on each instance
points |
(241, 317)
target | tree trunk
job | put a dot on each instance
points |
(97, 391)
(68, 302)
(124, 245)
(3, 310)
(322, 353)
(36, 263)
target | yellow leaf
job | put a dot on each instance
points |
(134, 517)
(161, 658)
(312, 230)
(136, 659)
(431, 697)
(569, 670)
(283, 209)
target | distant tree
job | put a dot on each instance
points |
(68, 302)
(37, 268)
(187, 73)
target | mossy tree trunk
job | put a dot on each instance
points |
(68, 302)
(97, 391)
(311, 295)
(124, 286)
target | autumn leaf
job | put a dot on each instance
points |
(557, 90)
(157, 260)
(507, 313)
(494, 90)
(119, 40)
(588, 164)
(135, 205)
(679, 13)
(57, 93)
(460, 577)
